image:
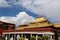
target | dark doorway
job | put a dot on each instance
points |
(27, 36)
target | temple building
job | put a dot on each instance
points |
(5, 26)
(57, 27)
(39, 27)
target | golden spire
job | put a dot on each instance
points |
(40, 19)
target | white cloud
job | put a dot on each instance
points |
(4, 3)
(50, 8)
(21, 18)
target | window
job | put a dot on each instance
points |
(5, 27)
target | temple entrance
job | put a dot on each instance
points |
(27, 35)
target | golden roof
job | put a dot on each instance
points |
(37, 23)
(56, 25)
(20, 28)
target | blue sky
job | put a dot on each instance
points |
(13, 11)
(30, 9)
(8, 11)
